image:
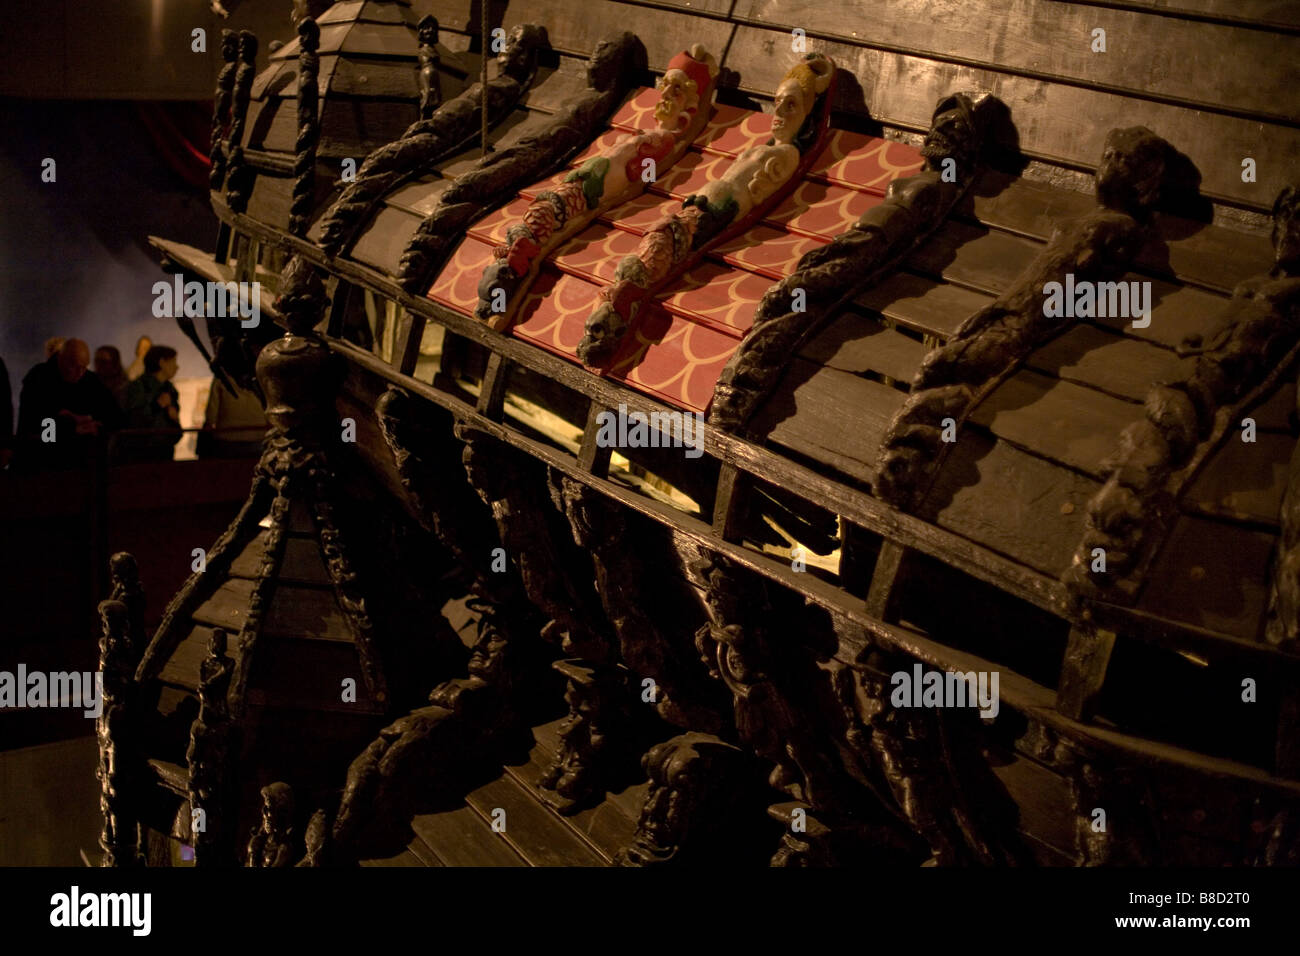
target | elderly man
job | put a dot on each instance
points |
(61, 410)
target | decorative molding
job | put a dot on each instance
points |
(239, 175)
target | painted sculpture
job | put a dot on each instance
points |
(830, 275)
(759, 178)
(617, 175)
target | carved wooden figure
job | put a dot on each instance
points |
(610, 73)
(757, 180)
(833, 274)
(616, 176)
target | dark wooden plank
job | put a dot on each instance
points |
(1068, 423)
(461, 837)
(607, 825)
(419, 197)
(1244, 480)
(378, 39)
(1043, 798)
(1005, 499)
(901, 90)
(404, 858)
(356, 76)
(1049, 40)
(554, 85)
(306, 612)
(301, 564)
(1208, 255)
(855, 343)
(228, 606)
(385, 238)
(829, 416)
(423, 854)
(576, 29)
(923, 303)
(983, 259)
(1211, 574)
(353, 126)
(1176, 312)
(1122, 366)
(535, 832)
(1277, 411)
(1267, 13)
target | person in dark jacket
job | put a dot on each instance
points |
(62, 409)
(152, 402)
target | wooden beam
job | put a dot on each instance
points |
(492, 394)
(1083, 672)
(592, 457)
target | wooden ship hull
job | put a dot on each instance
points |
(568, 653)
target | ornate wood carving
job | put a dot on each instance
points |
(210, 757)
(833, 274)
(945, 793)
(693, 786)
(430, 62)
(272, 843)
(239, 174)
(447, 130)
(221, 107)
(757, 181)
(1184, 421)
(598, 702)
(614, 177)
(304, 160)
(118, 780)
(991, 343)
(772, 683)
(610, 73)
(623, 551)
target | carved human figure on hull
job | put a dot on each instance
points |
(612, 178)
(757, 176)
(796, 307)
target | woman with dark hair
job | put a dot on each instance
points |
(153, 403)
(108, 367)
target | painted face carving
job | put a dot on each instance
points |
(677, 94)
(788, 112)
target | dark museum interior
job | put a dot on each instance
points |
(650, 433)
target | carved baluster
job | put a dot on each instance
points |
(118, 782)
(239, 175)
(304, 161)
(221, 107)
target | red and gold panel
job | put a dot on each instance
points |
(692, 173)
(550, 182)
(492, 227)
(600, 144)
(555, 312)
(821, 210)
(457, 285)
(594, 253)
(641, 213)
(673, 358)
(732, 130)
(718, 295)
(767, 251)
(858, 161)
(637, 112)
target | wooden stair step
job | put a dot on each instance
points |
(462, 837)
(536, 832)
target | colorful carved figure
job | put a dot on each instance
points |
(755, 181)
(612, 178)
